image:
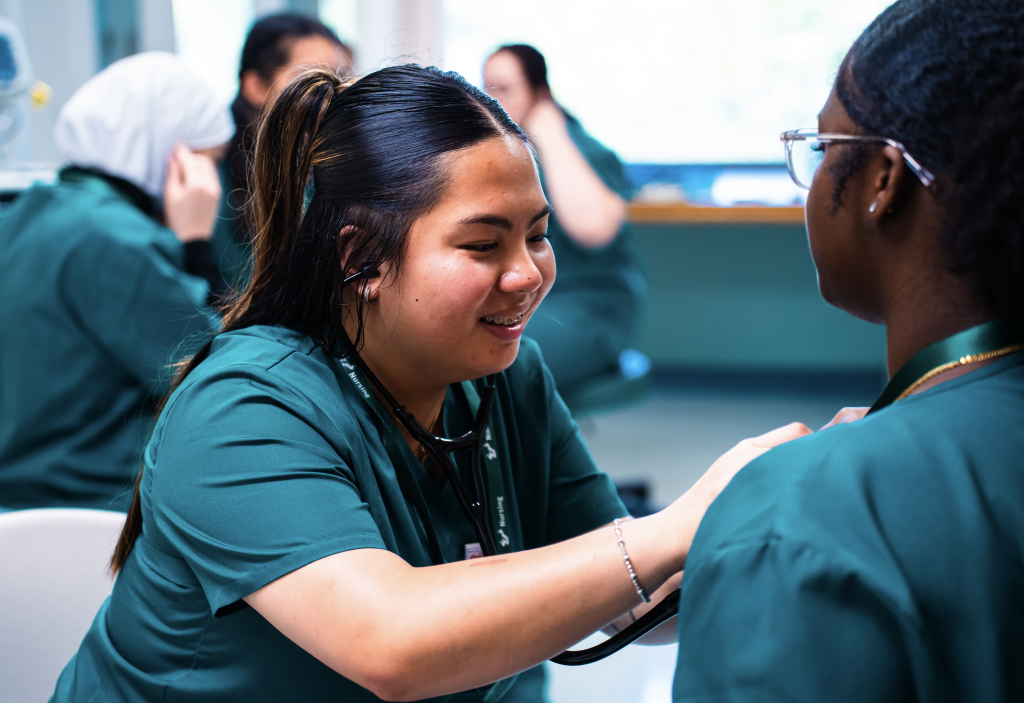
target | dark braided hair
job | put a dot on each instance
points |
(946, 79)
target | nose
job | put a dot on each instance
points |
(522, 273)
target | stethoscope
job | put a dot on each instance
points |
(475, 506)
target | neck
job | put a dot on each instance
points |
(925, 314)
(411, 390)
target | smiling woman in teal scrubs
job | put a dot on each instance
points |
(287, 541)
(883, 560)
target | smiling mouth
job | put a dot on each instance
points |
(503, 320)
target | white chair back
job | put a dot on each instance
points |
(53, 579)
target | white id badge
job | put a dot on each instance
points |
(473, 551)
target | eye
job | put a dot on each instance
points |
(481, 248)
(537, 239)
(818, 147)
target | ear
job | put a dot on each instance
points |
(351, 240)
(253, 88)
(889, 183)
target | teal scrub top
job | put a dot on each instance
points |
(599, 302)
(266, 459)
(95, 304)
(877, 561)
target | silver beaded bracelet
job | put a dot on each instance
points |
(629, 566)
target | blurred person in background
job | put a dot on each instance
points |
(101, 285)
(883, 560)
(277, 49)
(599, 304)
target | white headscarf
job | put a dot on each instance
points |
(126, 119)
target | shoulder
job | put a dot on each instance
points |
(259, 360)
(869, 488)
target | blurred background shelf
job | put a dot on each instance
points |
(640, 212)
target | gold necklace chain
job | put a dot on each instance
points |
(962, 361)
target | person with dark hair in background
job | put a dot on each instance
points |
(598, 307)
(883, 560)
(276, 50)
(101, 286)
(290, 536)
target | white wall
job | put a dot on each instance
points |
(399, 31)
(61, 38)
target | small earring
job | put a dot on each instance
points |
(872, 207)
(366, 294)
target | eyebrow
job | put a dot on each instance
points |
(502, 222)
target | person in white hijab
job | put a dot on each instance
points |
(107, 278)
(127, 119)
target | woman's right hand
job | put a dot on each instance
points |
(191, 194)
(688, 511)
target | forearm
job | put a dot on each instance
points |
(426, 632)
(589, 212)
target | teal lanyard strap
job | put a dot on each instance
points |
(406, 480)
(987, 340)
(505, 538)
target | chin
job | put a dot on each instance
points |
(857, 311)
(499, 360)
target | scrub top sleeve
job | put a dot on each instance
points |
(581, 497)
(246, 485)
(132, 300)
(771, 621)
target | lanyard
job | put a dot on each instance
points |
(506, 538)
(986, 341)
(499, 516)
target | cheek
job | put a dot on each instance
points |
(548, 270)
(448, 295)
(818, 214)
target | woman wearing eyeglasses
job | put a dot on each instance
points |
(883, 560)
(296, 534)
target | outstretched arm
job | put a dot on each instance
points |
(408, 633)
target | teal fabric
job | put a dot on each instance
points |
(877, 561)
(267, 459)
(598, 305)
(230, 240)
(96, 304)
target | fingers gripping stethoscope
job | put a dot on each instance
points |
(475, 506)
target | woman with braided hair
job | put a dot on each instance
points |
(294, 535)
(883, 560)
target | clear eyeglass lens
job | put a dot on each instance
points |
(805, 156)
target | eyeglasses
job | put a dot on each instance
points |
(805, 150)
